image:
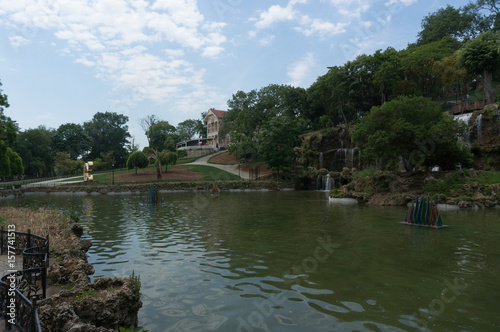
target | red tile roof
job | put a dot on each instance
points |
(218, 113)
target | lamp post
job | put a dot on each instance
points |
(113, 166)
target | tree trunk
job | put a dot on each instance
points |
(158, 170)
(489, 93)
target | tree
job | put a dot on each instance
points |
(71, 138)
(412, 130)
(106, 161)
(169, 158)
(36, 150)
(481, 56)
(146, 123)
(10, 162)
(157, 156)
(418, 68)
(278, 139)
(455, 80)
(64, 165)
(158, 134)
(188, 129)
(137, 160)
(448, 22)
(108, 132)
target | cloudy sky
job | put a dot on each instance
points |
(61, 61)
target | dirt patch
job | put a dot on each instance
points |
(144, 175)
(224, 158)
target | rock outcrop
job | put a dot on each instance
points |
(102, 306)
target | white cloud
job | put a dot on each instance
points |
(304, 23)
(119, 38)
(275, 13)
(18, 41)
(300, 70)
(310, 26)
(351, 9)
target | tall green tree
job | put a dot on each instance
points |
(480, 56)
(189, 129)
(412, 130)
(158, 134)
(36, 150)
(10, 162)
(71, 138)
(279, 137)
(418, 65)
(456, 23)
(108, 132)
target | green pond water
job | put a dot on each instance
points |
(291, 261)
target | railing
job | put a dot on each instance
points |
(467, 106)
(17, 310)
(30, 282)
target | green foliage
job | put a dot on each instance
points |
(137, 160)
(181, 154)
(108, 132)
(84, 294)
(480, 56)
(34, 146)
(66, 166)
(169, 158)
(447, 22)
(412, 130)
(278, 139)
(72, 139)
(135, 280)
(158, 134)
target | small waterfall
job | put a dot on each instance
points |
(466, 119)
(325, 182)
(345, 158)
(479, 128)
(320, 160)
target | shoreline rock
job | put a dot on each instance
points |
(102, 306)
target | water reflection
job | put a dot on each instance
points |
(290, 261)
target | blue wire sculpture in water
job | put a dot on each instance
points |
(152, 197)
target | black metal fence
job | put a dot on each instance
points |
(18, 312)
(16, 288)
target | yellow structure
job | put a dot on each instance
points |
(89, 167)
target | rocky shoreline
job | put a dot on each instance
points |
(460, 189)
(102, 306)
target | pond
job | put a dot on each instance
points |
(291, 261)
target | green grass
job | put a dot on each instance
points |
(453, 183)
(186, 160)
(211, 173)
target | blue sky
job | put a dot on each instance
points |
(61, 61)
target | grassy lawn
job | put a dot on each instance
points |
(211, 173)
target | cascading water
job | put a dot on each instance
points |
(466, 119)
(320, 160)
(479, 128)
(325, 182)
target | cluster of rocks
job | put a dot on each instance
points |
(102, 306)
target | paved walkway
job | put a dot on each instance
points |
(234, 169)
